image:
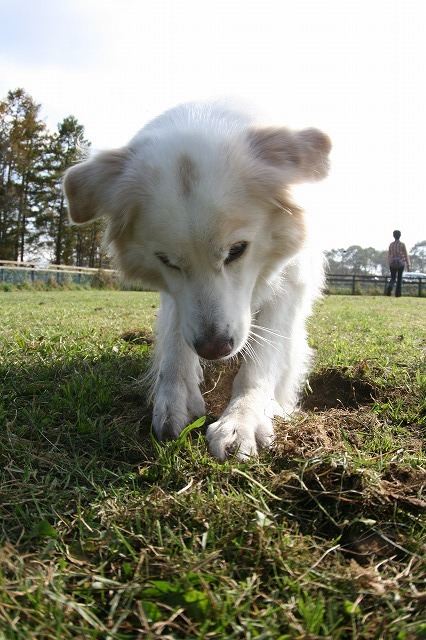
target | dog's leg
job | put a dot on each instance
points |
(275, 362)
(178, 373)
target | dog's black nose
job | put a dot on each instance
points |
(214, 348)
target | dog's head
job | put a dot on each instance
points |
(202, 212)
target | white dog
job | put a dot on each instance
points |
(198, 207)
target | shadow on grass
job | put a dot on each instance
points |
(68, 423)
(86, 425)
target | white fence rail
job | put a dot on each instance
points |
(18, 272)
(372, 285)
(51, 267)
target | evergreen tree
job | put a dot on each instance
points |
(22, 143)
(33, 215)
(55, 233)
(79, 246)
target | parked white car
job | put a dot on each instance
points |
(414, 275)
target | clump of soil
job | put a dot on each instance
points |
(406, 485)
(314, 433)
(308, 437)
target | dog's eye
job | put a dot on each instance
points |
(236, 251)
(165, 260)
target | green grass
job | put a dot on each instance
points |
(106, 534)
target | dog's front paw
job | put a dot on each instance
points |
(175, 407)
(240, 433)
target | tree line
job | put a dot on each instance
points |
(33, 216)
(357, 260)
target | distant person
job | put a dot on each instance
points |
(398, 260)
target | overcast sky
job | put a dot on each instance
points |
(355, 68)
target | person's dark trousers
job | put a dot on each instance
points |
(396, 276)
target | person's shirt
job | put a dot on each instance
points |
(397, 249)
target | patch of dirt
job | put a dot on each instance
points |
(406, 485)
(217, 385)
(331, 389)
(363, 501)
(308, 437)
(138, 336)
(318, 433)
(401, 475)
(363, 542)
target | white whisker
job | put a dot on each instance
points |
(253, 337)
(261, 339)
(275, 287)
(271, 331)
(248, 351)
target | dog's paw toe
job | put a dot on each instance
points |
(265, 435)
(227, 443)
(173, 412)
(195, 405)
(240, 433)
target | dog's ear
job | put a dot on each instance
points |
(302, 155)
(315, 147)
(90, 186)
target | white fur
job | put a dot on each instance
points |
(198, 206)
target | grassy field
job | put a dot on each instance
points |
(105, 534)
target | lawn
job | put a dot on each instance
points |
(106, 534)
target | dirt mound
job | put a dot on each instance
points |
(310, 434)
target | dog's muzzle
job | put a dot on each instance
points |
(214, 347)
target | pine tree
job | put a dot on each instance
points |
(55, 234)
(33, 214)
(80, 246)
(22, 143)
